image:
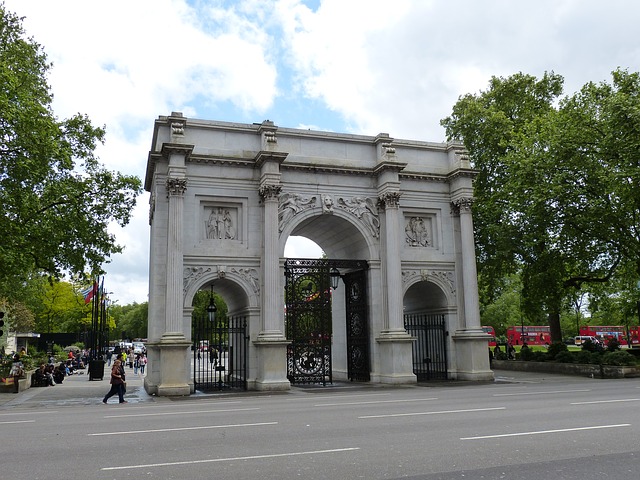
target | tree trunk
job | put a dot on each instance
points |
(554, 327)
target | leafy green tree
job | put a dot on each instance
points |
(57, 199)
(60, 308)
(555, 191)
(135, 320)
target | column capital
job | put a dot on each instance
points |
(176, 186)
(270, 192)
(390, 199)
(462, 205)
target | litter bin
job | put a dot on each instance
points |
(96, 369)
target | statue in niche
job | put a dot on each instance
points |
(291, 204)
(417, 232)
(365, 209)
(219, 226)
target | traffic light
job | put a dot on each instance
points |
(1, 323)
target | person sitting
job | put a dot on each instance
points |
(42, 377)
(59, 373)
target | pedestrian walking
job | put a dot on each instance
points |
(117, 381)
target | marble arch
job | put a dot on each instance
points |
(225, 197)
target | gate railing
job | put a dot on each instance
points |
(430, 348)
(220, 354)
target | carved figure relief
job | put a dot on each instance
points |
(417, 232)
(365, 209)
(220, 225)
(290, 205)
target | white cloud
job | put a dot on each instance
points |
(374, 65)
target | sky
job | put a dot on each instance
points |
(349, 66)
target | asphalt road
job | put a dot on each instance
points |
(529, 426)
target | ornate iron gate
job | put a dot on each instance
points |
(220, 354)
(357, 326)
(308, 323)
(430, 347)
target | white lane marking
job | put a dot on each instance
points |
(607, 401)
(13, 414)
(18, 421)
(544, 432)
(232, 459)
(179, 413)
(440, 412)
(179, 429)
(537, 393)
(372, 402)
(314, 397)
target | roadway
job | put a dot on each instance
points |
(523, 426)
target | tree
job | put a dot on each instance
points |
(555, 192)
(57, 198)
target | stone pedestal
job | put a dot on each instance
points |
(175, 375)
(272, 365)
(396, 364)
(472, 356)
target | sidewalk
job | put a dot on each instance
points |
(79, 390)
(76, 390)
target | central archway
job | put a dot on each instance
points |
(309, 319)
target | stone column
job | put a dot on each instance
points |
(472, 357)
(271, 319)
(176, 187)
(271, 344)
(392, 269)
(394, 363)
(173, 347)
(469, 270)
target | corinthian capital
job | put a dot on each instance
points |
(176, 186)
(462, 205)
(270, 192)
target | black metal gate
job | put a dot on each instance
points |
(357, 326)
(220, 354)
(308, 319)
(430, 347)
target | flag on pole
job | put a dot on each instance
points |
(89, 292)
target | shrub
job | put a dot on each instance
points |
(590, 346)
(526, 354)
(613, 345)
(619, 358)
(582, 357)
(556, 348)
(539, 356)
(565, 357)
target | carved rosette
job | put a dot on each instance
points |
(269, 192)
(462, 205)
(176, 186)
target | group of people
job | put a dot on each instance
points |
(137, 361)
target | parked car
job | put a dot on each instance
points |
(138, 347)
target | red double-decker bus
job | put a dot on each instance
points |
(492, 333)
(605, 333)
(531, 334)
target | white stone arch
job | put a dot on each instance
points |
(349, 242)
(239, 286)
(443, 280)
